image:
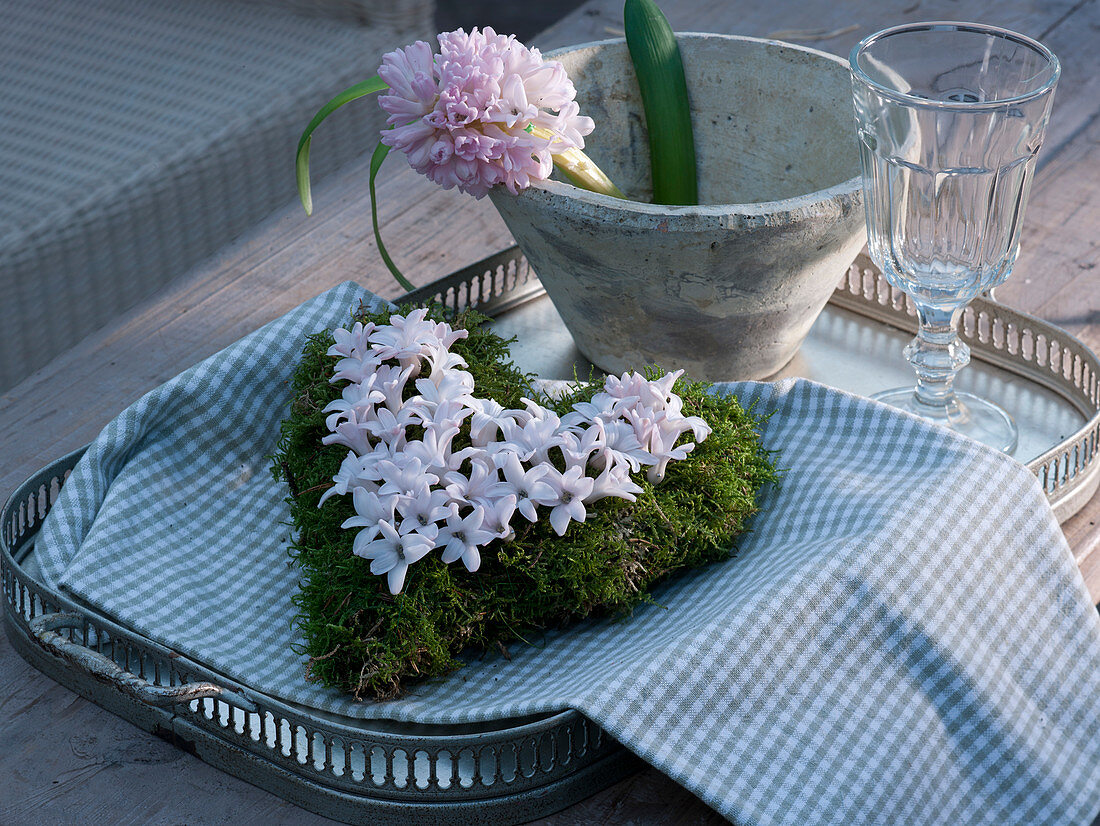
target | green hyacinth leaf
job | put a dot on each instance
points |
(301, 161)
(660, 71)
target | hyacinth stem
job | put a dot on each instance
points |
(376, 159)
(582, 172)
(579, 168)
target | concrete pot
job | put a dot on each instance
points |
(730, 288)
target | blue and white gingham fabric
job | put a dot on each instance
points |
(902, 638)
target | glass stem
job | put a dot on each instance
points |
(937, 354)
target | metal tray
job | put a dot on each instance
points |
(377, 772)
(1047, 379)
(513, 770)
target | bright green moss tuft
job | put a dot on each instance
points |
(365, 641)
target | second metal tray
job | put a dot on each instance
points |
(512, 770)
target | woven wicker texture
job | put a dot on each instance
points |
(137, 137)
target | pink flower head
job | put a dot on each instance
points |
(469, 117)
(410, 74)
(571, 489)
(392, 553)
(351, 342)
(461, 536)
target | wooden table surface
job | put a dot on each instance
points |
(64, 760)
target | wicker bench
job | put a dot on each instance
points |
(138, 136)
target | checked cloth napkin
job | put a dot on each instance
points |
(903, 637)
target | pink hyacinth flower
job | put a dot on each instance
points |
(469, 117)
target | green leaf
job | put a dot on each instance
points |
(301, 161)
(376, 159)
(660, 71)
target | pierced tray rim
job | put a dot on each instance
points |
(533, 766)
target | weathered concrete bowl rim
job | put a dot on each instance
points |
(689, 218)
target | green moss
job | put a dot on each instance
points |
(363, 640)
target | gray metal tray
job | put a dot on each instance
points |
(1047, 379)
(377, 772)
(513, 770)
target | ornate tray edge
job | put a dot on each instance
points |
(1022, 344)
(360, 772)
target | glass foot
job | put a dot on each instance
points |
(971, 416)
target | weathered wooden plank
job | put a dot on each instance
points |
(1069, 27)
(286, 260)
(75, 763)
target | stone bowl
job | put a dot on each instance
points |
(727, 289)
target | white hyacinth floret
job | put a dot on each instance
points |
(406, 400)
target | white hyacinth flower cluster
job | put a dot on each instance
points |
(406, 401)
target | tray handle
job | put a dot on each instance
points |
(45, 630)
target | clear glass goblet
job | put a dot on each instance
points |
(950, 118)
